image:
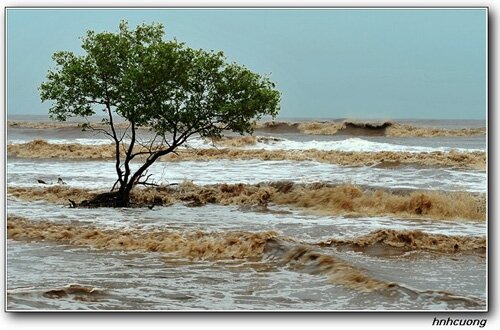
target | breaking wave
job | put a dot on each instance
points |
(353, 128)
(364, 129)
(196, 245)
(401, 130)
(318, 198)
(348, 145)
(266, 143)
(264, 246)
(40, 149)
(43, 150)
(412, 240)
(360, 237)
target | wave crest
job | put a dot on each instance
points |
(346, 127)
(318, 198)
(413, 240)
(197, 245)
(40, 149)
(267, 247)
(385, 128)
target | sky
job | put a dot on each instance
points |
(328, 63)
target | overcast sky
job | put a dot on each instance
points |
(328, 63)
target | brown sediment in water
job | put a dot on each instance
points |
(278, 127)
(402, 130)
(57, 124)
(320, 128)
(353, 200)
(241, 141)
(364, 129)
(346, 200)
(325, 128)
(306, 258)
(53, 194)
(198, 245)
(345, 128)
(41, 125)
(413, 240)
(235, 141)
(473, 160)
(195, 245)
(356, 128)
(348, 127)
(40, 149)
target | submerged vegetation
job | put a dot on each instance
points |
(317, 198)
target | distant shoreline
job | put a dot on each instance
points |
(36, 117)
(308, 126)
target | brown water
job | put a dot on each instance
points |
(285, 220)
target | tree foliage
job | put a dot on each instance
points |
(174, 90)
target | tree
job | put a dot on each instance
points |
(163, 85)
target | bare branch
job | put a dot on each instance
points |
(114, 185)
(119, 172)
(125, 132)
(147, 184)
(153, 141)
(165, 140)
(98, 130)
(145, 181)
(140, 153)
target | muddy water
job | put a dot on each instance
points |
(45, 275)
(230, 257)
(219, 218)
(139, 281)
(100, 174)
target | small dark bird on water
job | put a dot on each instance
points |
(41, 181)
(60, 181)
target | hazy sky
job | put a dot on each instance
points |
(328, 63)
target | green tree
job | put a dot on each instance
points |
(173, 90)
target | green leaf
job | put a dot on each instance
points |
(157, 83)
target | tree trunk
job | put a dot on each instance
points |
(120, 198)
(123, 196)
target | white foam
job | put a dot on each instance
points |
(348, 145)
(83, 141)
(102, 175)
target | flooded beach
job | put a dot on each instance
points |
(252, 232)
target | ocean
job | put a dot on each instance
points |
(305, 215)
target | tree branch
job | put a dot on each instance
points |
(125, 132)
(128, 153)
(119, 172)
(98, 130)
(145, 181)
(114, 185)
